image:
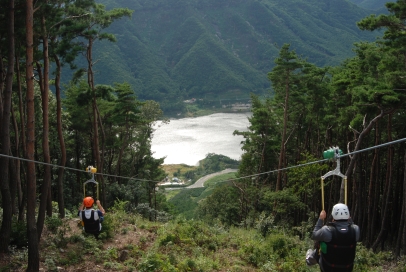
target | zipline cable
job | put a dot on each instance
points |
(250, 176)
(72, 169)
(323, 160)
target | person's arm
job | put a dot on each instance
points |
(357, 232)
(320, 233)
(100, 207)
(80, 209)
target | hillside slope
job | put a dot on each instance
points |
(371, 4)
(172, 50)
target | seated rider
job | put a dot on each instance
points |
(90, 217)
(338, 240)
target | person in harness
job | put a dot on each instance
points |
(337, 240)
(90, 217)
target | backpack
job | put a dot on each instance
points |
(339, 253)
(91, 225)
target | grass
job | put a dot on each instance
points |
(218, 179)
(137, 244)
(180, 169)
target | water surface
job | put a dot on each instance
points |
(189, 140)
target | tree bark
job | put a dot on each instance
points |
(17, 163)
(402, 224)
(61, 169)
(21, 205)
(372, 187)
(5, 231)
(45, 188)
(33, 244)
(388, 188)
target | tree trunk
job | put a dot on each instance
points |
(388, 189)
(2, 79)
(90, 81)
(121, 152)
(33, 244)
(364, 133)
(17, 163)
(61, 170)
(372, 187)
(402, 235)
(21, 205)
(44, 86)
(281, 163)
(101, 167)
(5, 231)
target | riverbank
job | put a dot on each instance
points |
(199, 112)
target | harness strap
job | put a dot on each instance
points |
(336, 265)
(349, 246)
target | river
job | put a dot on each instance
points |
(189, 140)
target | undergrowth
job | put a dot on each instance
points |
(130, 242)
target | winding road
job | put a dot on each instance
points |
(200, 182)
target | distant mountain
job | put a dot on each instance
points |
(172, 50)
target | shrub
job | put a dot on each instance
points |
(169, 238)
(109, 225)
(53, 223)
(73, 256)
(155, 262)
(264, 224)
(19, 234)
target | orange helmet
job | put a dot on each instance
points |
(88, 201)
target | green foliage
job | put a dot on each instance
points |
(191, 245)
(265, 224)
(283, 204)
(19, 234)
(185, 201)
(155, 262)
(230, 49)
(210, 164)
(73, 256)
(53, 223)
(214, 163)
(221, 205)
(109, 226)
(113, 220)
(365, 259)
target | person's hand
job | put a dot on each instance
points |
(98, 202)
(322, 214)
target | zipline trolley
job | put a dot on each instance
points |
(333, 153)
(92, 170)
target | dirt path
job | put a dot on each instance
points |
(200, 182)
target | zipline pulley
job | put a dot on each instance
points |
(333, 153)
(91, 170)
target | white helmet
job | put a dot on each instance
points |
(340, 212)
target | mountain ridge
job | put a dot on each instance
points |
(175, 49)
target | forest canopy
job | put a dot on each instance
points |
(48, 139)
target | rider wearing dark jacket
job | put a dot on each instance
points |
(91, 218)
(338, 240)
